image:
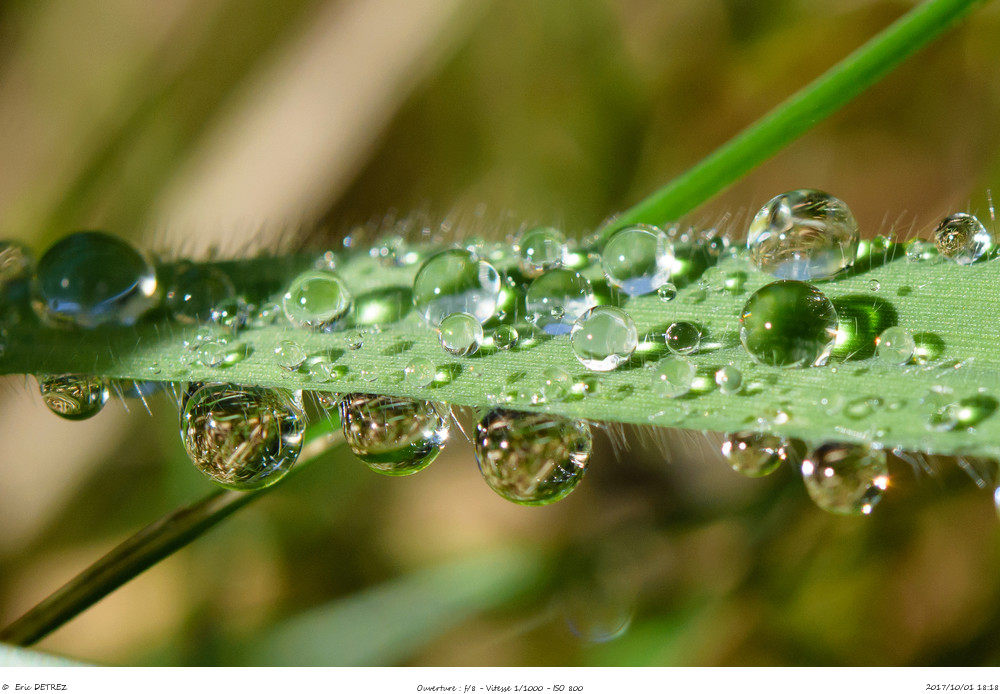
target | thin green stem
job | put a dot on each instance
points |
(800, 112)
(147, 547)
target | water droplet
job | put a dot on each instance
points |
(845, 478)
(327, 371)
(962, 237)
(540, 249)
(862, 408)
(667, 291)
(803, 235)
(672, 377)
(267, 314)
(918, 249)
(729, 379)
(420, 372)
(532, 458)
(16, 263)
(316, 299)
(72, 396)
(328, 401)
(354, 340)
(896, 345)
(460, 334)
(717, 245)
(394, 436)
(874, 285)
(788, 323)
(242, 437)
(754, 454)
(456, 281)
(505, 337)
(604, 337)
(638, 259)
(196, 290)
(90, 278)
(556, 299)
(949, 414)
(683, 337)
(289, 355)
(556, 384)
(233, 314)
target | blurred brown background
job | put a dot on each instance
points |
(234, 125)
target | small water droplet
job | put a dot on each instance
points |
(918, 249)
(673, 377)
(532, 458)
(557, 298)
(874, 285)
(845, 478)
(896, 345)
(505, 337)
(604, 337)
(242, 437)
(316, 299)
(394, 436)
(540, 249)
(420, 372)
(556, 384)
(667, 291)
(460, 334)
(862, 408)
(354, 340)
(73, 396)
(788, 323)
(637, 260)
(196, 290)
(267, 314)
(754, 454)
(456, 281)
(232, 314)
(729, 379)
(327, 371)
(803, 235)
(289, 355)
(962, 237)
(683, 338)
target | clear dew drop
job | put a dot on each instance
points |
(896, 345)
(232, 314)
(532, 458)
(73, 396)
(673, 377)
(505, 337)
(460, 334)
(918, 249)
(874, 285)
(557, 384)
(419, 372)
(788, 323)
(316, 299)
(845, 478)
(754, 454)
(638, 260)
(803, 235)
(557, 298)
(667, 292)
(540, 249)
(683, 338)
(729, 379)
(456, 281)
(242, 437)
(195, 290)
(289, 355)
(394, 436)
(604, 337)
(962, 238)
(90, 278)
(354, 340)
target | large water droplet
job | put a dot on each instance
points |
(540, 249)
(962, 237)
(788, 323)
(196, 290)
(532, 458)
(394, 436)
(242, 437)
(672, 377)
(845, 478)
(803, 235)
(460, 334)
(72, 396)
(604, 337)
(556, 299)
(682, 337)
(456, 281)
(90, 278)
(754, 454)
(638, 260)
(896, 345)
(316, 299)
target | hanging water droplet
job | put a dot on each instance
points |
(316, 299)
(788, 323)
(874, 285)
(328, 401)
(556, 384)
(354, 340)
(289, 355)
(803, 235)
(505, 337)
(460, 334)
(918, 249)
(73, 396)
(394, 436)
(556, 299)
(196, 290)
(420, 372)
(90, 278)
(682, 337)
(673, 377)
(754, 454)
(242, 437)
(667, 292)
(604, 337)
(896, 345)
(962, 237)
(532, 458)
(637, 260)
(729, 379)
(456, 281)
(846, 478)
(540, 249)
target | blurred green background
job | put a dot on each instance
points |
(231, 126)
